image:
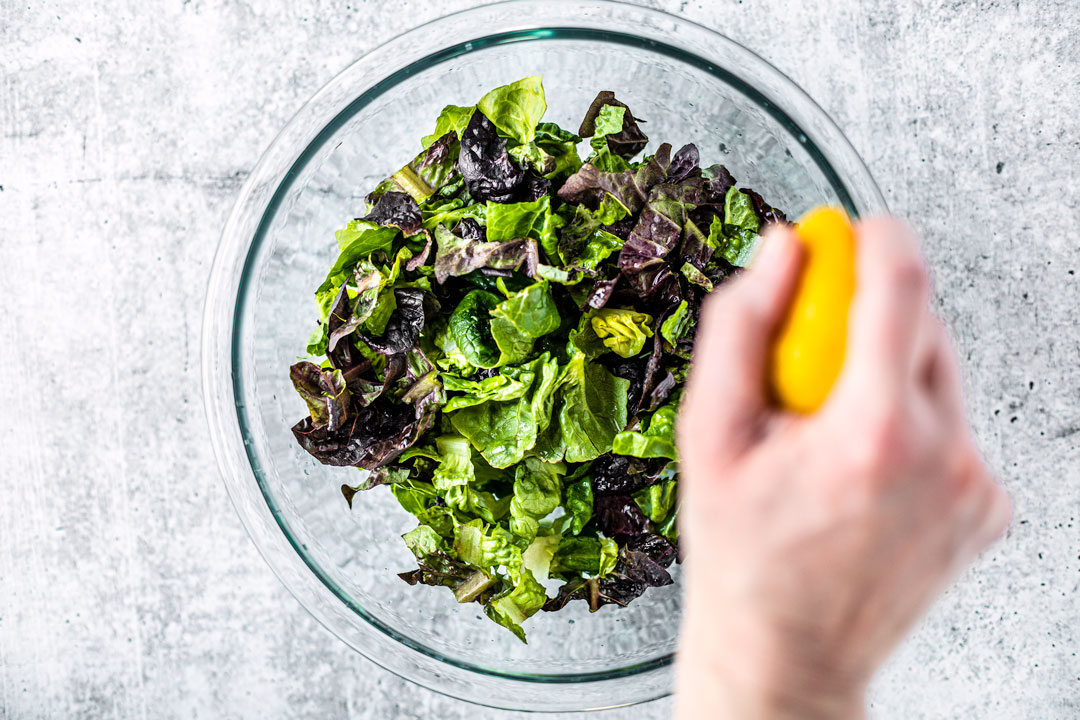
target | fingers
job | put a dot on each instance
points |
(984, 510)
(887, 312)
(997, 517)
(927, 348)
(939, 373)
(726, 388)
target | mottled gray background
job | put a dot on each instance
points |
(128, 588)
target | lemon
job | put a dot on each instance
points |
(808, 352)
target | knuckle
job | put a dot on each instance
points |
(971, 485)
(1001, 510)
(909, 276)
(880, 443)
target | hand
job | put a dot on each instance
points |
(814, 542)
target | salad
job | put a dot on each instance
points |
(504, 339)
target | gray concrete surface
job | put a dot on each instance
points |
(128, 588)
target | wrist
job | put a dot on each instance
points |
(703, 693)
(745, 676)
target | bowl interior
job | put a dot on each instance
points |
(357, 552)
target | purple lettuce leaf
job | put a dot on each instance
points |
(622, 474)
(684, 164)
(458, 255)
(765, 212)
(421, 257)
(325, 393)
(626, 143)
(469, 229)
(631, 187)
(372, 436)
(489, 172)
(397, 209)
(403, 328)
(619, 515)
(636, 571)
(657, 232)
(600, 293)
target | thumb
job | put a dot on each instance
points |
(726, 395)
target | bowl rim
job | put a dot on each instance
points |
(274, 176)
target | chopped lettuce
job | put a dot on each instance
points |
(502, 341)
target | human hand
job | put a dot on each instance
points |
(814, 542)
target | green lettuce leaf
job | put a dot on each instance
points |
(576, 555)
(675, 325)
(515, 109)
(525, 220)
(622, 331)
(423, 540)
(739, 211)
(584, 243)
(471, 329)
(536, 558)
(447, 213)
(504, 431)
(561, 146)
(657, 501)
(656, 441)
(599, 247)
(474, 392)
(610, 210)
(593, 409)
(519, 320)
(477, 503)
(486, 547)
(357, 241)
(512, 608)
(420, 499)
(453, 118)
(537, 492)
(577, 506)
(609, 121)
(591, 555)
(510, 221)
(695, 276)
(670, 528)
(455, 466)
(415, 496)
(736, 237)
(609, 556)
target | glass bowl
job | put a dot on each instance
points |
(691, 85)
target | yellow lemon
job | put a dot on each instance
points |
(809, 350)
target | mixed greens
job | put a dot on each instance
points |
(506, 334)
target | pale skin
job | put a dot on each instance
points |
(814, 542)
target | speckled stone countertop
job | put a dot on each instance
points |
(128, 588)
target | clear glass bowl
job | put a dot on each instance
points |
(691, 85)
